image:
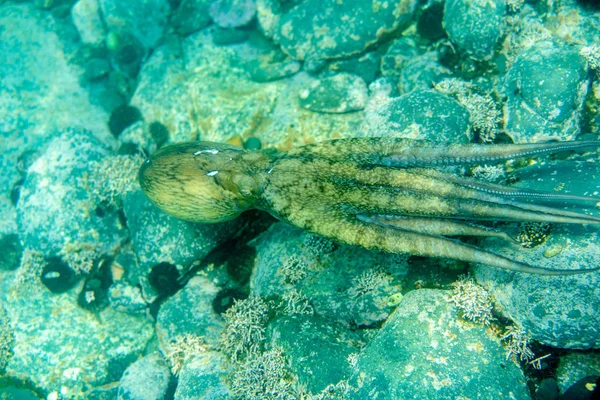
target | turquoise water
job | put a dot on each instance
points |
(104, 295)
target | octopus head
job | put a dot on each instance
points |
(199, 181)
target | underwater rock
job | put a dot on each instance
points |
(189, 312)
(55, 210)
(10, 252)
(425, 351)
(224, 37)
(41, 92)
(366, 66)
(145, 20)
(475, 26)
(6, 340)
(216, 100)
(574, 366)
(400, 52)
(558, 311)
(347, 284)
(229, 104)
(11, 181)
(202, 377)
(421, 72)
(148, 378)
(546, 87)
(86, 17)
(96, 68)
(126, 298)
(316, 29)
(232, 13)
(425, 115)
(212, 95)
(162, 95)
(159, 238)
(338, 94)
(191, 16)
(317, 349)
(266, 71)
(289, 124)
(80, 349)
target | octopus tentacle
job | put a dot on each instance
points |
(404, 153)
(430, 226)
(415, 192)
(382, 238)
(511, 193)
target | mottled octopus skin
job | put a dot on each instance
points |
(380, 193)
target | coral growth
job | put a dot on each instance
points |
(293, 270)
(265, 376)
(489, 173)
(370, 281)
(483, 113)
(294, 302)
(6, 340)
(113, 177)
(472, 300)
(244, 333)
(183, 348)
(516, 341)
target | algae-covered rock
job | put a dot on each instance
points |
(400, 52)
(365, 65)
(232, 13)
(325, 29)
(546, 87)
(189, 312)
(266, 71)
(41, 92)
(289, 124)
(145, 20)
(475, 26)
(76, 349)
(205, 94)
(87, 19)
(55, 210)
(338, 94)
(191, 16)
(318, 350)
(162, 95)
(11, 151)
(346, 284)
(422, 72)
(160, 239)
(126, 298)
(574, 366)
(421, 115)
(559, 311)
(203, 376)
(425, 351)
(146, 379)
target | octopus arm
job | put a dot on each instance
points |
(397, 240)
(431, 226)
(403, 153)
(510, 193)
(417, 193)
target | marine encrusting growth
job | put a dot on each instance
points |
(379, 193)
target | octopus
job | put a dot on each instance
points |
(384, 194)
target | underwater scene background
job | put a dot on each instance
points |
(105, 296)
